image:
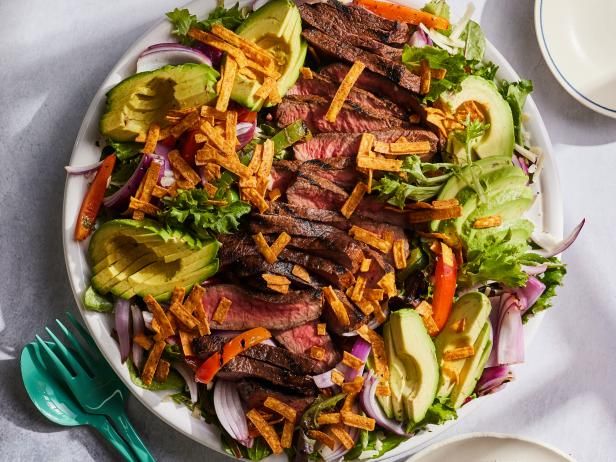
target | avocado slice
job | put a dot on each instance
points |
(277, 28)
(393, 405)
(126, 267)
(472, 310)
(414, 348)
(145, 98)
(473, 368)
(499, 139)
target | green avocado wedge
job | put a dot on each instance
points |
(125, 265)
(145, 98)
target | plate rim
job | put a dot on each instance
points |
(556, 72)
(94, 321)
(496, 435)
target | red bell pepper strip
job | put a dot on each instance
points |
(230, 350)
(444, 286)
(94, 199)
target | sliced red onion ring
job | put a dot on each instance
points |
(562, 245)
(137, 352)
(535, 270)
(83, 169)
(374, 410)
(493, 379)
(530, 292)
(189, 377)
(120, 198)
(245, 132)
(122, 326)
(510, 337)
(163, 54)
(420, 39)
(230, 412)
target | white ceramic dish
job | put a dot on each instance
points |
(577, 41)
(490, 447)
(546, 213)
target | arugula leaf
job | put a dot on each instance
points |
(552, 278)
(437, 414)
(182, 20)
(124, 151)
(438, 8)
(183, 398)
(259, 450)
(174, 380)
(458, 68)
(474, 41)
(373, 444)
(515, 94)
(397, 190)
(190, 209)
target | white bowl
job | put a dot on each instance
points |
(546, 213)
(577, 41)
(492, 447)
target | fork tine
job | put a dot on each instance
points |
(82, 332)
(66, 356)
(84, 355)
(59, 368)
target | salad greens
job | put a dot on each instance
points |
(552, 278)
(174, 380)
(438, 8)
(515, 94)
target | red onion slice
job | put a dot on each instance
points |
(361, 350)
(189, 377)
(562, 245)
(137, 352)
(529, 294)
(493, 379)
(230, 412)
(122, 326)
(510, 337)
(374, 410)
(420, 39)
(164, 54)
(535, 270)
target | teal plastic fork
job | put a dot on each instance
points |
(92, 381)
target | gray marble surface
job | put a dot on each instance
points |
(54, 55)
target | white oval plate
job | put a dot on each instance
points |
(577, 42)
(490, 447)
(546, 213)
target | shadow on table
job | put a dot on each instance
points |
(510, 27)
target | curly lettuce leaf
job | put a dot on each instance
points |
(515, 93)
(552, 278)
(437, 414)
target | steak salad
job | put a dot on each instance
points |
(308, 222)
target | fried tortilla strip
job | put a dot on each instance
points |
(365, 265)
(368, 237)
(162, 370)
(221, 310)
(257, 157)
(336, 305)
(402, 148)
(281, 408)
(274, 194)
(209, 111)
(190, 121)
(266, 88)
(459, 326)
(143, 207)
(354, 386)
(365, 306)
(230, 127)
(383, 389)
(458, 353)
(159, 316)
(286, 440)
(264, 248)
(379, 163)
(250, 49)
(426, 215)
(301, 273)
(388, 284)
(280, 288)
(152, 362)
(321, 328)
(205, 156)
(143, 341)
(186, 339)
(343, 90)
(151, 139)
(183, 168)
(274, 96)
(146, 187)
(357, 421)
(351, 360)
(349, 401)
(275, 279)
(194, 305)
(328, 418)
(160, 192)
(265, 167)
(317, 353)
(337, 377)
(256, 199)
(210, 39)
(374, 295)
(426, 76)
(424, 309)
(229, 71)
(280, 243)
(491, 221)
(343, 436)
(322, 438)
(399, 254)
(354, 199)
(430, 325)
(358, 289)
(378, 351)
(214, 136)
(184, 316)
(438, 73)
(266, 430)
(306, 73)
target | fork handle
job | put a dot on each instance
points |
(127, 431)
(105, 428)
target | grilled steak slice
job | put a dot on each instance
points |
(298, 363)
(312, 110)
(334, 145)
(340, 170)
(254, 393)
(376, 84)
(393, 70)
(381, 228)
(242, 367)
(252, 309)
(334, 273)
(235, 248)
(338, 245)
(312, 191)
(337, 18)
(356, 317)
(327, 217)
(301, 338)
(283, 173)
(320, 85)
(254, 266)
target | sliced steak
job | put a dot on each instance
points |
(340, 170)
(254, 266)
(301, 338)
(242, 367)
(283, 173)
(334, 145)
(298, 363)
(254, 393)
(312, 110)
(392, 69)
(337, 244)
(356, 317)
(320, 85)
(381, 228)
(378, 85)
(327, 217)
(334, 273)
(235, 247)
(338, 18)
(252, 309)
